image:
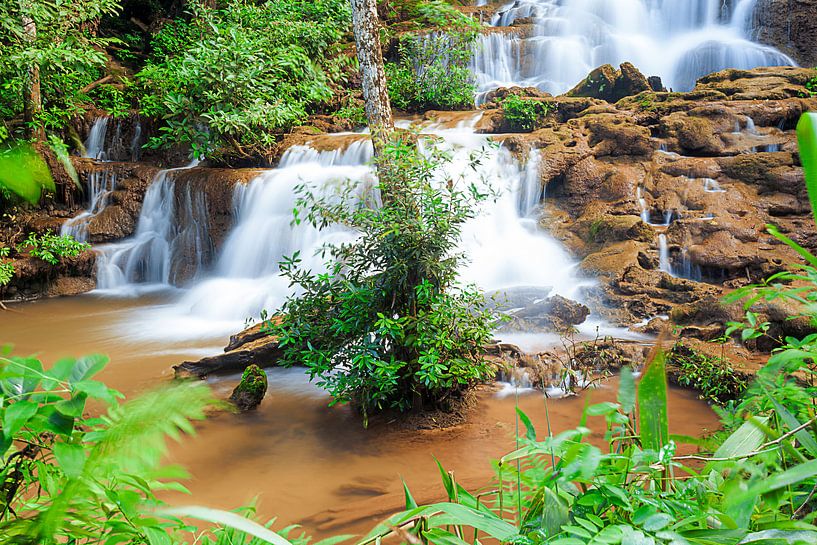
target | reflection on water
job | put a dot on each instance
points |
(305, 462)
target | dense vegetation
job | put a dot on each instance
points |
(224, 78)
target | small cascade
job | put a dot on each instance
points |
(171, 243)
(95, 144)
(689, 270)
(530, 189)
(100, 185)
(136, 143)
(712, 186)
(663, 255)
(645, 213)
(679, 40)
(514, 381)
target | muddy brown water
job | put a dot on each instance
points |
(299, 459)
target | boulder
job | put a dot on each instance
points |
(766, 83)
(533, 309)
(251, 390)
(615, 135)
(788, 25)
(607, 83)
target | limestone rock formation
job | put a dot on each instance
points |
(607, 83)
(789, 25)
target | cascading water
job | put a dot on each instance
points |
(663, 255)
(171, 242)
(505, 247)
(679, 40)
(95, 144)
(100, 185)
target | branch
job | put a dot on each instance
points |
(95, 84)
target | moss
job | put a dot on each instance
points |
(252, 388)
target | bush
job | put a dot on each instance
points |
(51, 248)
(387, 327)
(524, 114)
(713, 377)
(432, 72)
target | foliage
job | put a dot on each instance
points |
(51, 248)
(6, 269)
(432, 72)
(525, 114)
(386, 327)
(236, 77)
(67, 52)
(24, 173)
(635, 490)
(714, 377)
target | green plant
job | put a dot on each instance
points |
(714, 377)
(525, 114)
(387, 327)
(24, 173)
(565, 490)
(6, 269)
(432, 72)
(51, 248)
(232, 79)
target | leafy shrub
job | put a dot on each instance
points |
(432, 72)
(236, 77)
(713, 377)
(524, 114)
(387, 327)
(23, 172)
(6, 269)
(51, 248)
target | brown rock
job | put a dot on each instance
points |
(611, 85)
(788, 25)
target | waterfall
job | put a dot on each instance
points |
(171, 242)
(95, 144)
(136, 143)
(100, 185)
(663, 255)
(679, 40)
(505, 247)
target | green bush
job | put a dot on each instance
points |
(6, 269)
(51, 248)
(432, 72)
(713, 377)
(387, 327)
(524, 114)
(234, 78)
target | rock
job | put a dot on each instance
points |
(607, 83)
(251, 346)
(35, 278)
(766, 83)
(788, 25)
(251, 390)
(533, 309)
(617, 135)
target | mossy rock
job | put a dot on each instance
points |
(251, 390)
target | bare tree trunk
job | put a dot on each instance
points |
(32, 98)
(370, 58)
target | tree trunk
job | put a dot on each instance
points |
(370, 57)
(32, 99)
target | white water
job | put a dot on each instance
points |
(504, 244)
(663, 254)
(679, 40)
(95, 144)
(100, 185)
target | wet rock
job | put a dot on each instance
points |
(767, 83)
(617, 135)
(772, 172)
(788, 25)
(34, 278)
(534, 309)
(251, 390)
(607, 83)
(251, 346)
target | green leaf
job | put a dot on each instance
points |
(16, 415)
(226, 518)
(530, 431)
(743, 440)
(652, 402)
(806, 439)
(626, 390)
(807, 140)
(410, 503)
(87, 366)
(791, 476)
(438, 536)
(70, 457)
(25, 173)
